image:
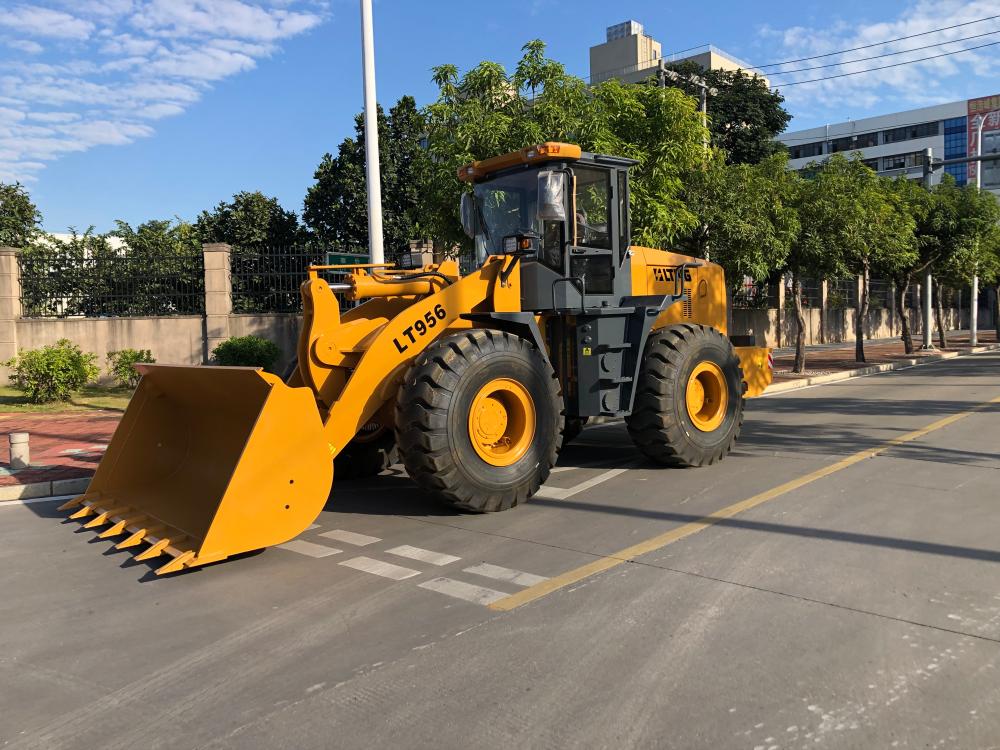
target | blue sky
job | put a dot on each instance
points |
(140, 109)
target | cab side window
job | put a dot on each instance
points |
(592, 206)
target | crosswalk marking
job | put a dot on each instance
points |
(350, 537)
(497, 573)
(465, 591)
(423, 555)
(309, 548)
(379, 568)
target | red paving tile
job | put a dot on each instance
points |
(51, 436)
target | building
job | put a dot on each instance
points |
(630, 55)
(895, 144)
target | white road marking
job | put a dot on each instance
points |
(466, 591)
(313, 526)
(309, 548)
(379, 568)
(505, 574)
(561, 493)
(349, 537)
(558, 469)
(423, 555)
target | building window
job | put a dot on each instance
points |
(955, 125)
(903, 161)
(909, 132)
(853, 142)
(871, 164)
(806, 150)
(960, 172)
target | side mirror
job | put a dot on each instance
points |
(552, 196)
(467, 208)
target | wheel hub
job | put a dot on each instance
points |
(707, 396)
(502, 422)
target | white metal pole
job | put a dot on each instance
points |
(979, 152)
(372, 177)
(974, 312)
(928, 309)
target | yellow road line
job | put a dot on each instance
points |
(601, 564)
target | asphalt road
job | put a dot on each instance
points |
(855, 606)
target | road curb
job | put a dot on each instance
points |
(42, 490)
(794, 385)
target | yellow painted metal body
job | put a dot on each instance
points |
(210, 462)
(706, 396)
(704, 284)
(502, 421)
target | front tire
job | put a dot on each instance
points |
(479, 420)
(689, 402)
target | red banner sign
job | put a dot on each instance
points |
(986, 108)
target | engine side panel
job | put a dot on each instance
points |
(655, 272)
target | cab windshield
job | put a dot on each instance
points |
(507, 205)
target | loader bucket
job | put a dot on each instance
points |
(208, 462)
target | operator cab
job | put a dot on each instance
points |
(565, 212)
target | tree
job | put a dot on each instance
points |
(747, 214)
(487, 111)
(857, 220)
(744, 116)
(977, 214)
(916, 202)
(19, 217)
(250, 220)
(336, 208)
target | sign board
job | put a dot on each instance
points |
(344, 259)
(987, 107)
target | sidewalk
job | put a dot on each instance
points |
(826, 362)
(66, 448)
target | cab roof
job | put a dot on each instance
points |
(540, 153)
(537, 154)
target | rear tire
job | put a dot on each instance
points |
(436, 418)
(662, 424)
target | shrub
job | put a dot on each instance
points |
(52, 373)
(247, 351)
(120, 365)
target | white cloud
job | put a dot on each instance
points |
(45, 22)
(893, 88)
(103, 71)
(25, 45)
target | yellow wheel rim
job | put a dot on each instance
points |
(502, 422)
(707, 396)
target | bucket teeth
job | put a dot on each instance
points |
(78, 500)
(178, 563)
(85, 511)
(119, 527)
(136, 538)
(157, 549)
(103, 516)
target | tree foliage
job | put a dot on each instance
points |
(744, 115)
(19, 217)
(250, 220)
(336, 207)
(748, 215)
(488, 111)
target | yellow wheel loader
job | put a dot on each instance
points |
(474, 379)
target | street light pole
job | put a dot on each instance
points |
(372, 178)
(928, 280)
(974, 306)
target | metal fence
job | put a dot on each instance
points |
(751, 295)
(842, 294)
(113, 283)
(267, 279)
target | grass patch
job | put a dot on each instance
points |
(88, 398)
